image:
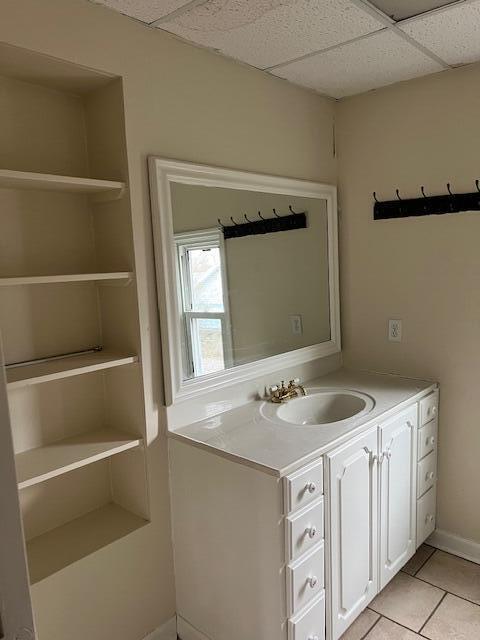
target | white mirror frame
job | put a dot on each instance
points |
(162, 173)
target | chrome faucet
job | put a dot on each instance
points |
(283, 393)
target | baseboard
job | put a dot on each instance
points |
(187, 632)
(451, 543)
(167, 631)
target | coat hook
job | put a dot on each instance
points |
(231, 218)
(423, 192)
(276, 213)
(220, 223)
(245, 216)
(260, 215)
(452, 204)
(398, 195)
(476, 184)
(291, 210)
(375, 196)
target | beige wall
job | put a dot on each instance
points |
(271, 276)
(189, 104)
(425, 271)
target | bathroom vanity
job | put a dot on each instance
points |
(288, 517)
(289, 531)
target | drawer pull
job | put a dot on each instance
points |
(311, 487)
(312, 581)
(430, 475)
(311, 531)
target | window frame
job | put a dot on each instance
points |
(184, 242)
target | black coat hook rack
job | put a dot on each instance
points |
(426, 205)
(293, 220)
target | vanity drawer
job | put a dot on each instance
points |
(426, 515)
(428, 408)
(304, 486)
(426, 473)
(427, 439)
(304, 529)
(309, 624)
(305, 579)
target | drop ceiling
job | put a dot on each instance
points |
(336, 47)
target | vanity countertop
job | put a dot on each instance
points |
(244, 435)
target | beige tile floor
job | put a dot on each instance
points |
(435, 596)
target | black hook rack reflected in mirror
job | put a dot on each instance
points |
(292, 220)
(426, 205)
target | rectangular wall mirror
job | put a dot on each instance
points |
(247, 273)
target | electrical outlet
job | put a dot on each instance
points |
(395, 330)
(296, 324)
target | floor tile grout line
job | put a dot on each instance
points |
(424, 563)
(445, 594)
(446, 590)
(382, 615)
(433, 612)
(372, 627)
(476, 564)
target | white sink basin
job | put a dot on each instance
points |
(320, 407)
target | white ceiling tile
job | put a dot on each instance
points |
(369, 63)
(145, 10)
(264, 33)
(453, 34)
(401, 9)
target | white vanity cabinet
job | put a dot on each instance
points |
(397, 465)
(352, 489)
(427, 467)
(372, 497)
(299, 557)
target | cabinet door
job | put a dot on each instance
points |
(353, 526)
(397, 459)
(16, 622)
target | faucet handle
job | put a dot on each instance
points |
(273, 388)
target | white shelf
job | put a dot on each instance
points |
(37, 373)
(43, 463)
(64, 545)
(51, 182)
(74, 277)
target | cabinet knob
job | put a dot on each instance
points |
(431, 440)
(311, 487)
(311, 531)
(312, 581)
(430, 475)
(429, 518)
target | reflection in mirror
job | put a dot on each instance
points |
(245, 298)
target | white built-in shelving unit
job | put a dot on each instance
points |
(69, 318)
(52, 369)
(65, 277)
(61, 456)
(51, 182)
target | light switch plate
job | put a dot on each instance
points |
(296, 324)
(395, 330)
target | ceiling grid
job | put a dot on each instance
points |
(336, 47)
